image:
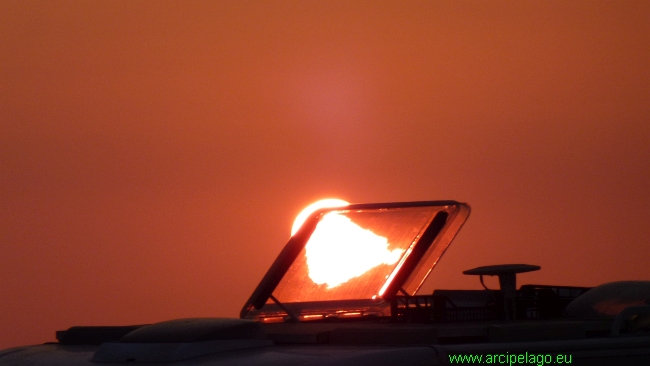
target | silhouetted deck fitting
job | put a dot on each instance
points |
(507, 280)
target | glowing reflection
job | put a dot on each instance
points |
(612, 307)
(340, 250)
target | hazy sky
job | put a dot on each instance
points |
(153, 154)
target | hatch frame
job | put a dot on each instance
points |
(442, 228)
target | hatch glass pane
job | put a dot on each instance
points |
(354, 254)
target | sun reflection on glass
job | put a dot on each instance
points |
(340, 250)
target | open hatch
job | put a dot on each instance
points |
(352, 261)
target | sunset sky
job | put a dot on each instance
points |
(153, 154)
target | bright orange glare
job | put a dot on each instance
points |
(304, 214)
(340, 250)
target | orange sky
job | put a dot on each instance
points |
(153, 154)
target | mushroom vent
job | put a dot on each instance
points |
(196, 330)
(183, 339)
